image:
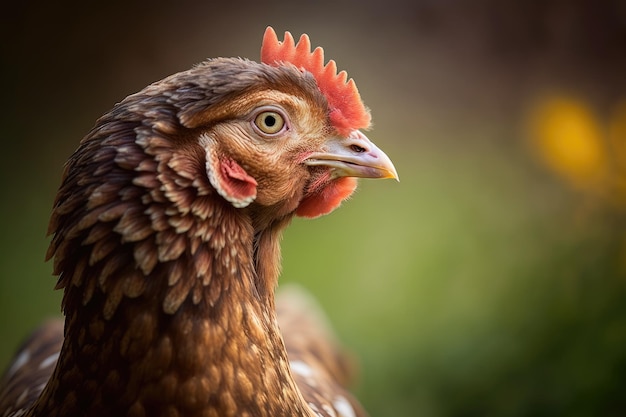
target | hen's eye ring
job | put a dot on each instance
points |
(269, 122)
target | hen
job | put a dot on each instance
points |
(165, 238)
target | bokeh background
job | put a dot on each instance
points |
(491, 281)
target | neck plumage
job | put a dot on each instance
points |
(218, 351)
(169, 309)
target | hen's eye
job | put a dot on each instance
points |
(269, 122)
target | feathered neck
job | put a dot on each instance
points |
(168, 307)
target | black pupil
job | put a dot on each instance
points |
(270, 120)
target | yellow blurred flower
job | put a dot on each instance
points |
(570, 141)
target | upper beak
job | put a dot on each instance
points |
(354, 156)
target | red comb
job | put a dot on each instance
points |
(347, 111)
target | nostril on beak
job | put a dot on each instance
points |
(358, 142)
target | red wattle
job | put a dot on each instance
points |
(327, 199)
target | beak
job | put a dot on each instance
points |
(353, 156)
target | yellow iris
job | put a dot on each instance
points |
(269, 122)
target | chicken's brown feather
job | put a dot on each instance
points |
(320, 366)
(30, 370)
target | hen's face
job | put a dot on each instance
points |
(278, 150)
(268, 139)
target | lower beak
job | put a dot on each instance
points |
(353, 156)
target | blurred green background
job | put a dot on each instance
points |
(491, 281)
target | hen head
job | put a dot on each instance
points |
(278, 136)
